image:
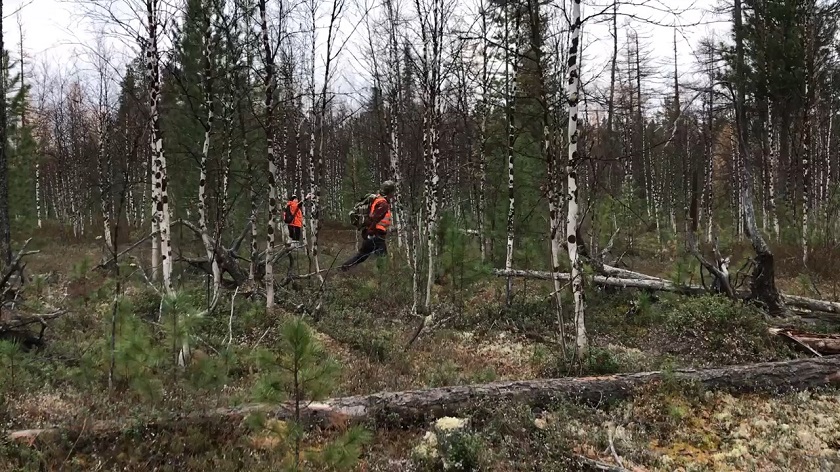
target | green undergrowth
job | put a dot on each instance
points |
(363, 320)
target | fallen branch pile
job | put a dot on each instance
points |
(414, 406)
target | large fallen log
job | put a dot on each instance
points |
(415, 406)
(662, 285)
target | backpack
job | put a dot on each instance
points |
(288, 216)
(361, 211)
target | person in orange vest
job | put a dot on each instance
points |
(376, 230)
(293, 216)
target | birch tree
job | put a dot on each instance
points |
(511, 45)
(268, 105)
(572, 181)
(207, 85)
(432, 24)
(160, 196)
(394, 114)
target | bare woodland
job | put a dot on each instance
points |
(556, 182)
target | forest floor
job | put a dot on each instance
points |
(365, 323)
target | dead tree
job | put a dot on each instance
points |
(764, 275)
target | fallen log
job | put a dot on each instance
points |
(110, 260)
(13, 327)
(416, 406)
(821, 344)
(811, 304)
(627, 274)
(14, 320)
(662, 285)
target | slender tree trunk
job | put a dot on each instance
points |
(104, 169)
(613, 67)
(554, 187)
(481, 209)
(5, 223)
(806, 137)
(207, 80)
(431, 65)
(227, 162)
(572, 179)
(38, 192)
(395, 112)
(155, 198)
(161, 179)
(268, 84)
(510, 98)
(772, 166)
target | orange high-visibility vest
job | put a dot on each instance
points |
(385, 222)
(297, 215)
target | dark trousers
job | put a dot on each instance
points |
(295, 232)
(371, 245)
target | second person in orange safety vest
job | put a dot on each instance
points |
(376, 229)
(293, 216)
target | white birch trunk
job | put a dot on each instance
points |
(299, 173)
(38, 192)
(268, 59)
(205, 151)
(572, 190)
(396, 175)
(394, 110)
(806, 132)
(806, 174)
(772, 166)
(510, 85)
(104, 178)
(159, 159)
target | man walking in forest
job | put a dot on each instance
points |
(376, 227)
(293, 216)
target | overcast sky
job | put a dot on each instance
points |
(53, 30)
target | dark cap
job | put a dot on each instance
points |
(388, 187)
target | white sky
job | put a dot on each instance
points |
(55, 33)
